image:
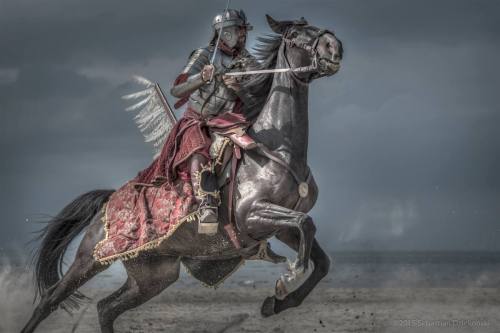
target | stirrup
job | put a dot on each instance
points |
(208, 196)
(208, 223)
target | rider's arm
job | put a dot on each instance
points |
(190, 78)
(247, 97)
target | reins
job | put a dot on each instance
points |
(311, 49)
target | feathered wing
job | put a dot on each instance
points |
(154, 116)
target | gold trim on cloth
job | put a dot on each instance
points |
(220, 154)
(219, 143)
(136, 251)
(199, 192)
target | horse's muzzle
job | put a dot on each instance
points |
(328, 67)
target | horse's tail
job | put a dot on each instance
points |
(57, 235)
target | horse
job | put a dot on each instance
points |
(274, 191)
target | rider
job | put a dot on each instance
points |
(216, 106)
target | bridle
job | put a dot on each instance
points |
(311, 48)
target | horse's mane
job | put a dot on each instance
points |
(266, 52)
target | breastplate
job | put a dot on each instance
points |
(214, 97)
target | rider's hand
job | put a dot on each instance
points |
(207, 72)
(231, 82)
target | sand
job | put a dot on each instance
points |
(326, 310)
(359, 295)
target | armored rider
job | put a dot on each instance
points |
(216, 105)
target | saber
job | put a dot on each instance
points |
(275, 70)
(220, 33)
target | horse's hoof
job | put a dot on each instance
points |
(267, 309)
(293, 280)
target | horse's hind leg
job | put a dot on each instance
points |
(147, 277)
(272, 305)
(79, 273)
(81, 270)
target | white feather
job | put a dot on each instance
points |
(143, 80)
(139, 94)
(138, 105)
(147, 120)
(151, 116)
(156, 133)
(147, 110)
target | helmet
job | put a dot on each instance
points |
(231, 17)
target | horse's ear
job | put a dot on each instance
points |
(278, 27)
(302, 21)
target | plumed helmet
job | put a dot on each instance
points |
(231, 17)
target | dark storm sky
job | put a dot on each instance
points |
(404, 139)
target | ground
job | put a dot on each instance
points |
(327, 310)
(391, 293)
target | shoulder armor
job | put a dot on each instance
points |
(197, 59)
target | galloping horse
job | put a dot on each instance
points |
(274, 191)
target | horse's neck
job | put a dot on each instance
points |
(283, 124)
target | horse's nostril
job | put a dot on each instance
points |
(335, 59)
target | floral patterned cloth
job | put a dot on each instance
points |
(139, 217)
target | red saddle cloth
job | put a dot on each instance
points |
(189, 135)
(140, 218)
(140, 215)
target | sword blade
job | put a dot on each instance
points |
(261, 71)
(274, 70)
(220, 33)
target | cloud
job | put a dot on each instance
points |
(408, 126)
(381, 220)
(71, 32)
(8, 75)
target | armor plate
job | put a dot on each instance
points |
(214, 97)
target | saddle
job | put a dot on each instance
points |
(138, 217)
(226, 151)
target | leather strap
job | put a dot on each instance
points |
(263, 150)
(234, 163)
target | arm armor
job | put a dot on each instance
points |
(197, 60)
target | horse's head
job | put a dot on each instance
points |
(309, 46)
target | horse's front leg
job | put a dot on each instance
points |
(266, 218)
(273, 305)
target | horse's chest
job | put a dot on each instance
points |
(273, 183)
(269, 182)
